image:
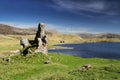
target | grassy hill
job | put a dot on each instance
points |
(62, 67)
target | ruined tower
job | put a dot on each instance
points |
(41, 39)
(39, 43)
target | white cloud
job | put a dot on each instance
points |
(94, 6)
(87, 6)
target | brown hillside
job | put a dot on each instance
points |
(6, 29)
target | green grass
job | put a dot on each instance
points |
(63, 67)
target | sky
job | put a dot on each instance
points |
(66, 16)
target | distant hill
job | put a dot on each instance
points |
(101, 35)
(86, 35)
(7, 29)
(108, 35)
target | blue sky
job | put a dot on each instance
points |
(67, 16)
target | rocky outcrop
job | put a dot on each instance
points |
(39, 43)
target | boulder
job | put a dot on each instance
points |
(47, 62)
(87, 67)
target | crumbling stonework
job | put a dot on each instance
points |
(39, 43)
(41, 31)
(41, 39)
(24, 42)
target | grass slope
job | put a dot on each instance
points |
(63, 67)
(12, 42)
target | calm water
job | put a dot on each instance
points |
(92, 50)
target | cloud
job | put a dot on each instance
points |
(64, 29)
(92, 6)
(86, 6)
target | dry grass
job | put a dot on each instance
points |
(8, 43)
(11, 42)
(67, 38)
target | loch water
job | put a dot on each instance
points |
(107, 50)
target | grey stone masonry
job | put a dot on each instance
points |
(40, 43)
(24, 42)
(41, 39)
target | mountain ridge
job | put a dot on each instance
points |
(7, 29)
(99, 35)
